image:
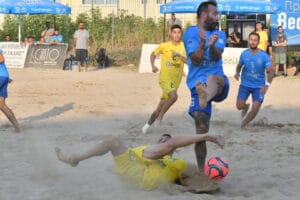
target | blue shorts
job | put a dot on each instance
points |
(3, 86)
(244, 93)
(195, 106)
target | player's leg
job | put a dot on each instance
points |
(251, 114)
(257, 98)
(108, 144)
(154, 115)
(3, 107)
(242, 97)
(9, 114)
(214, 87)
(168, 103)
(202, 126)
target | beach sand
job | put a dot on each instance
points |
(74, 110)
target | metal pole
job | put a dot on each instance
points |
(118, 7)
(164, 33)
(113, 31)
(145, 4)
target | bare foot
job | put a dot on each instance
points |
(218, 139)
(65, 158)
(202, 94)
(245, 110)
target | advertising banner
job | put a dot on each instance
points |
(14, 54)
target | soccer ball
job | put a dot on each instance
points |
(216, 168)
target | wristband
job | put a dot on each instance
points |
(268, 84)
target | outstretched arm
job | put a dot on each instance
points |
(159, 150)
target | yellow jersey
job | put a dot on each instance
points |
(171, 67)
(148, 173)
(263, 42)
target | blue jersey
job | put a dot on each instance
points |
(3, 70)
(207, 67)
(253, 68)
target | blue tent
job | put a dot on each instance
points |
(32, 7)
(224, 6)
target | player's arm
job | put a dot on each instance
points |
(152, 61)
(238, 71)
(2, 59)
(270, 75)
(197, 56)
(159, 150)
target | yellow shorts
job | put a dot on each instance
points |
(167, 87)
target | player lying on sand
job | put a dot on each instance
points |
(145, 166)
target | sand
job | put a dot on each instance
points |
(74, 110)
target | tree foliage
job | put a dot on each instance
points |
(122, 32)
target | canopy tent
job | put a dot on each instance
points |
(32, 7)
(224, 6)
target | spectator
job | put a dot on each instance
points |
(263, 42)
(81, 40)
(234, 38)
(30, 40)
(7, 38)
(42, 41)
(269, 47)
(280, 43)
(47, 32)
(173, 20)
(57, 38)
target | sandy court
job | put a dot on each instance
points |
(74, 110)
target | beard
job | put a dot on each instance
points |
(253, 47)
(210, 25)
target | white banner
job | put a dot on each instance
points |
(14, 54)
(230, 59)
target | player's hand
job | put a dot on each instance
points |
(175, 54)
(154, 69)
(264, 89)
(237, 76)
(213, 39)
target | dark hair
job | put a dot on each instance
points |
(279, 27)
(176, 26)
(254, 33)
(56, 29)
(259, 23)
(204, 7)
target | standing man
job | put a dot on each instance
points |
(4, 81)
(47, 32)
(173, 57)
(173, 20)
(253, 63)
(263, 42)
(280, 43)
(206, 80)
(82, 42)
